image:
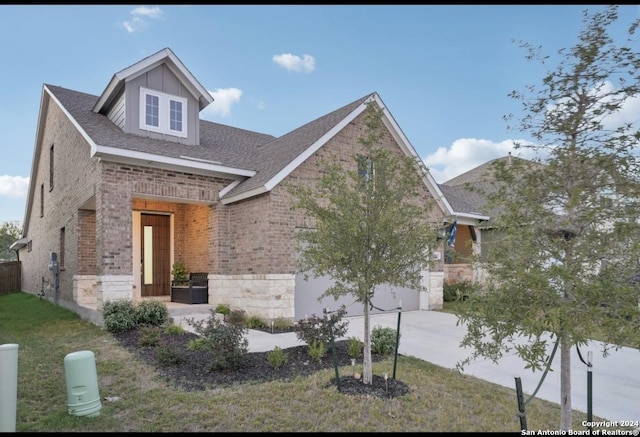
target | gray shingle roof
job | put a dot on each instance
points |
(467, 193)
(277, 154)
(232, 147)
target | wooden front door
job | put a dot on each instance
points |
(156, 268)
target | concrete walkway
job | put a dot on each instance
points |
(434, 337)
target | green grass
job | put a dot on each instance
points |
(440, 400)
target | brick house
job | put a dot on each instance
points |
(466, 195)
(126, 183)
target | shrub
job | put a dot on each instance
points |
(282, 323)
(255, 322)
(316, 328)
(316, 350)
(223, 308)
(151, 312)
(454, 291)
(170, 355)
(226, 342)
(383, 340)
(173, 329)
(354, 347)
(277, 357)
(237, 317)
(196, 344)
(119, 315)
(150, 335)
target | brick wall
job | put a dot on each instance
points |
(122, 184)
(261, 229)
(74, 181)
(261, 246)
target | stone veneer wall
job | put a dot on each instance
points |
(84, 290)
(264, 296)
(435, 294)
(113, 287)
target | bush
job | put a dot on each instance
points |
(383, 340)
(173, 329)
(123, 315)
(316, 328)
(237, 317)
(119, 316)
(170, 355)
(150, 336)
(316, 350)
(282, 323)
(255, 322)
(454, 291)
(277, 357)
(354, 348)
(223, 308)
(151, 312)
(196, 344)
(226, 342)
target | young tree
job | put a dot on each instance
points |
(563, 266)
(372, 225)
(9, 233)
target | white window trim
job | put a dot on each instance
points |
(163, 113)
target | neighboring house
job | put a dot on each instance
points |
(467, 195)
(126, 183)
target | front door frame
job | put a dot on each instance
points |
(137, 249)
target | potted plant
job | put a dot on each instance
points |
(180, 274)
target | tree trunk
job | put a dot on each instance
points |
(367, 372)
(565, 383)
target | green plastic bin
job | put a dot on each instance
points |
(82, 384)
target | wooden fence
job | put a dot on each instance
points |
(10, 277)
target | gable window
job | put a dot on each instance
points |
(152, 109)
(51, 168)
(175, 115)
(163, 113)
(366, 169)
(42, 200)
(61, 257)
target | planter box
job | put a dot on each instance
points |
(197, 291)
(190, 294)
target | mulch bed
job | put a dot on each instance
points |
(192, 372)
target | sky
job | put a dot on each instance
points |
(444, 71)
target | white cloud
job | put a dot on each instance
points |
(467, 153)
(138, 23)
(290, 62)
(14, 186)
(224, 98)
(629, 111)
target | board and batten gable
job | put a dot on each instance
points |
(125, 113)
